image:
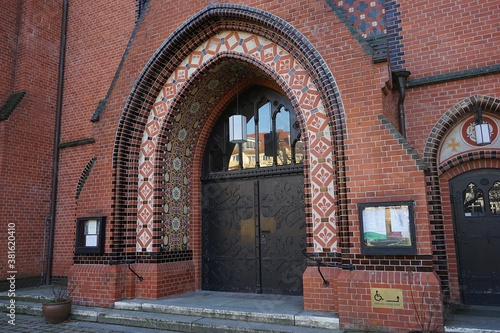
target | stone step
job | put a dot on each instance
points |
(302, 318)
(195, 322)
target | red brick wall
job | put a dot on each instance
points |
(97, 37)
(161, 280)
(317, 295)
(378, 168)
(445, 35)
(98, 285)
(102, 285)
(26, 138)
(425, 105)
(421, 301)
(9, 38)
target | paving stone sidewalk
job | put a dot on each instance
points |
(34, 324)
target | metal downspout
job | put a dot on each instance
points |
(53, 202)
(401, 77)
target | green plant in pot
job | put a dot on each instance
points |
(57, 309)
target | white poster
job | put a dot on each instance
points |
(400, 221)
(374, 226)
(91, 240)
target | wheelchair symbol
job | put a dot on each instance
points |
(378, 297)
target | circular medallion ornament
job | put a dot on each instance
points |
(469, 133)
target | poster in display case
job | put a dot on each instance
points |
(387, 228)
(90, 235)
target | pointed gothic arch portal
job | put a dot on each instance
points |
(253, 216)
(175, 104)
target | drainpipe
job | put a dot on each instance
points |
(53, 203)
(400, 82)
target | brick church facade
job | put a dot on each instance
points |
(115, 157)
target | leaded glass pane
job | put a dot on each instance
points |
(473, 201)
(494, 196)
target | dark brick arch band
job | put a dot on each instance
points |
(202, 26)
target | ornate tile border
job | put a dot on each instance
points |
(301, 85)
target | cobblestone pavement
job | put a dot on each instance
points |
(33, 324)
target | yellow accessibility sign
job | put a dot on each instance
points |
(387, 298)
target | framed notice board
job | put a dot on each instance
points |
(90, 235)
(387, 228)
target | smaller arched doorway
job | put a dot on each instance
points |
(456, 160)
(253, 219)
(476, 213)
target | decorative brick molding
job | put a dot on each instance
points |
(366, 23)
(142, 6)
(11, 105)
(84, 176)
(453, 76)
(405, 144)
(394, 35)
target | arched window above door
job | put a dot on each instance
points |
(273, 135)
(473, 201)
(475, 204)
(494, 197)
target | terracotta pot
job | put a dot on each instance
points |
(56, 312)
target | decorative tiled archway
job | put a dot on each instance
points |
(163, 110)
(274, 59)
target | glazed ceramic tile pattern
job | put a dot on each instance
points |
(183, 134)
(366, 16)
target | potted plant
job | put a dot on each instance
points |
(58, 308)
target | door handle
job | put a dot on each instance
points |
(263, 236)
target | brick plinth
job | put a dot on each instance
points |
(97, 285)
(421, 301)
(317, 296)
(160, 280)
(102, 285)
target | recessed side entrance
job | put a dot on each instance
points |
(476, 208)
(253, 215)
